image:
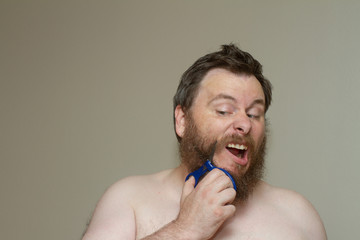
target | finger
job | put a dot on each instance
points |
(227, 196)
(229, 210)
(217, 180)
(224, 212)
(188, 188)
(221, 183)
(212, 177)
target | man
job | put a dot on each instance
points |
(219, 107)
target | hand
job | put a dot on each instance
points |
(205, 208)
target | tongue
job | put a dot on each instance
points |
(234, 151)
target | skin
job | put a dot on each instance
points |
(162, 206)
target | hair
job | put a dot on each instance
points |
(230, 58)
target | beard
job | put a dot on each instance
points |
(196, 149)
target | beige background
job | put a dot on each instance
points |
(86, 99)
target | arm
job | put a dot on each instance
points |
(202, 211)
(113, 217)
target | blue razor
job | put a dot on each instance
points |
(207, 167)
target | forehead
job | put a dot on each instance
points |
(243, 87)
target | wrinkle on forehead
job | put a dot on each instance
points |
(223, 82)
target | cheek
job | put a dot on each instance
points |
(216, 128)
(210, 131)
(259, 133)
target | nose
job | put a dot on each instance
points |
(242, 123)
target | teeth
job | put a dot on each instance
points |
(237, 146)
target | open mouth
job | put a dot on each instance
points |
(238, 150)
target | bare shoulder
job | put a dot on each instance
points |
(296, 208)
(132, 186)
(131, 189)
(289, 201)
(114, 215)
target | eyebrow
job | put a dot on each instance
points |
(225, 96)
(258, 101)
(222, 96)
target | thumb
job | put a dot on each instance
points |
(188, 188)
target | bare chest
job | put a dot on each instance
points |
(153, 214)
(262, 226)
(255, 224)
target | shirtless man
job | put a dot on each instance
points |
(220, 104)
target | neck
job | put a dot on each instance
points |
(176, 178)
(181, 172)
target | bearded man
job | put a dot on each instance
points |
(219, 114)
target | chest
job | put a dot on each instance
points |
(254, 224)
(264, 224)
(153, 214)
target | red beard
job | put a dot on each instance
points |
(196, 149)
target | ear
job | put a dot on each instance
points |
(179, 121)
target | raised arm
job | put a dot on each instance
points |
(203, 209)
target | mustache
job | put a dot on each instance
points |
(204, 152)
(236, 138)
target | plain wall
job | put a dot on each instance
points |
(86, 93)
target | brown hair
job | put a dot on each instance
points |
(231, 58)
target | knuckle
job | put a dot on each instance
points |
(205, 192)
(218, 172)
(225, 179)
(211, 201)
(232, 210)
(232, 192)
(218, 212)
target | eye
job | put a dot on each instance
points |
(224, 109)
(253, 116)
(222, 113)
